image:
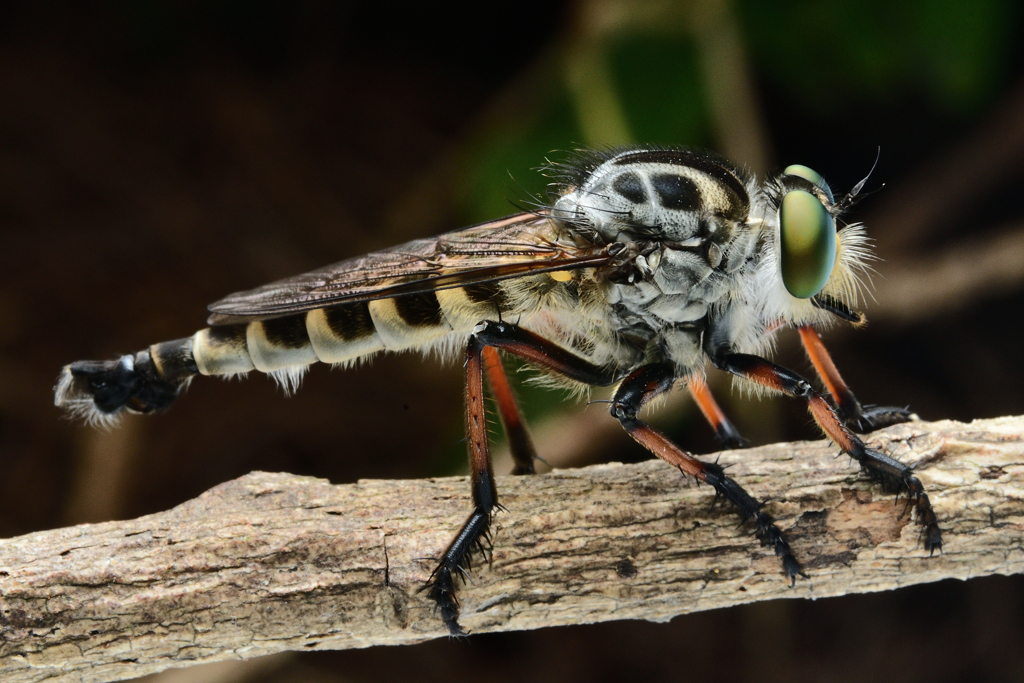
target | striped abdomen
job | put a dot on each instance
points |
(345, 333)
(282, 347)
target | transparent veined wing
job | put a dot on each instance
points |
(518, 245)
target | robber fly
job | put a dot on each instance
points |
(645, 263)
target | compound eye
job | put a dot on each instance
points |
(808, 244)
(812, 176)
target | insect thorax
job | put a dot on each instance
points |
(686, 216)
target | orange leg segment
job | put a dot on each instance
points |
(519, 441)
(849, 408)
(724, 429)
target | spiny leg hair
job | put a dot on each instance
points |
(474, 533)
(639, 388)
(893, 475)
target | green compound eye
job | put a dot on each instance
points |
(808, 244)
(809, 174)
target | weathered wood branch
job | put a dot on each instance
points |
(273, 562)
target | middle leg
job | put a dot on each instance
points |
(648, 382)
(725, 431)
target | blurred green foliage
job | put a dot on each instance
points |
(828, 53)
(501, 175)
(660, 88)
(829, 61)
(824, 56)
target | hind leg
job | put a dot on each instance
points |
(519, 442)
(475, 530)
(474, 533)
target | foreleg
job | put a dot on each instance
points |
(892, 473)
(848, 407)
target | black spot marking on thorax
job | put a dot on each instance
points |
(630, 186)
(288, 332)
(677, 192)
(350, 321)
(717, 168)
(419, 310)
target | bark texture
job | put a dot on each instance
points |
(273, 562)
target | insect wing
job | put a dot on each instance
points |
(508, 247)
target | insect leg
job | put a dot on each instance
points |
(639, 388)
(474, 532)
(537, 350)
(519, 441)
(892, 473)
(726, 432)
(540, 352)
(848, 407)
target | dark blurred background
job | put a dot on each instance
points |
(157, 155)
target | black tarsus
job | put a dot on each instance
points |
(457, 558)
(894, 475)
(651, 380)
(749, 509)
(441, 587)
(868, 419)
(730, 437)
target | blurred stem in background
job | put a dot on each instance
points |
(158, 155)
(725, 78)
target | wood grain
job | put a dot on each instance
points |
(274, 562)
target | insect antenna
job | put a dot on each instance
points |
(852, 196)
